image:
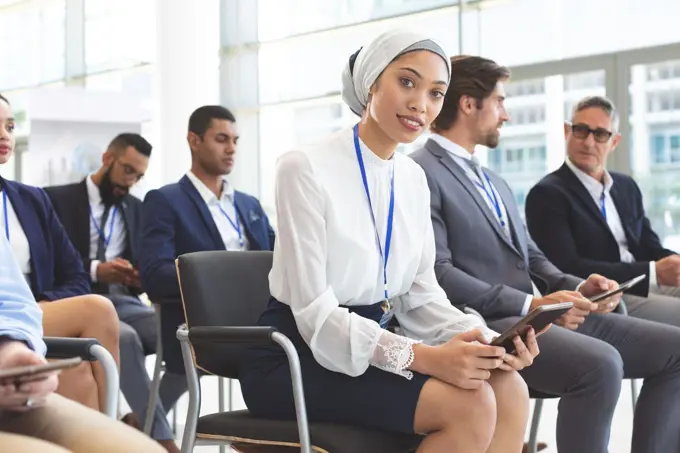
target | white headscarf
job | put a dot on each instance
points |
(365, 66)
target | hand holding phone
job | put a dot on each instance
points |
(19, 391)
(539, 318)
(602, 297)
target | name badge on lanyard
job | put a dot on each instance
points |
(491, 196)
(4, 209)
(388, 312)
(235, 225)
(100, 233)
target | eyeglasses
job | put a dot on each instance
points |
(581, 131)
(129, 170)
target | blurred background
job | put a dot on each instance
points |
(80, 71)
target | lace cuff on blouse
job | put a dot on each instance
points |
(394, 353)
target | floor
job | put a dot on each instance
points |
(620, 437)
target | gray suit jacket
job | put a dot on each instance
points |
(476, 263)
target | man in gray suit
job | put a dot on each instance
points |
(486, 260)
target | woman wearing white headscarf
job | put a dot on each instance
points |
(355, 247)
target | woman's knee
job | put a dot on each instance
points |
(512, 394)
(466, 412)
(100, 312)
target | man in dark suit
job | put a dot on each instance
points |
(103, 221)
(485, 259)
(587, 219)
(200, 212)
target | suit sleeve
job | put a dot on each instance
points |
(70, 279)
(493, 301)
(547, 214)
(157, 252)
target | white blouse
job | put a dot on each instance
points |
(17, 237)
(326, 255)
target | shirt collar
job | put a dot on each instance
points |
(93, 191)
(591, 184)
(452, 148)
(206, 194)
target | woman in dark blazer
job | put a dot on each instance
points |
(55, 274)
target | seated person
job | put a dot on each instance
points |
(354, 248)
(102, 219)
(202, 211)
(55, 274)
(32, 418)
(486, 259)
(587, 219)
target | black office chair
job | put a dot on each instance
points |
(90, 350)
(223, 294)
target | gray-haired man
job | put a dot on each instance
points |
(586, 219)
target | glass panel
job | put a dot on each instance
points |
(532, 143)
(499, 36)
(281, 18)
(115, 38)
(655, 144)
(310, 66)
(33, 43)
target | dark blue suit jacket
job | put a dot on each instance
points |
(175, 221)
(56, 269)
(567, 225)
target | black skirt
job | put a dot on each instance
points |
(377, 399)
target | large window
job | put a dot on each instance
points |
(281, 18)
(119, 34)
(32, 43)
(655, 149)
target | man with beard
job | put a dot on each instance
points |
(103, 222)
(485, 259)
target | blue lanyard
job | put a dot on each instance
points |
(106, 240)
(236, 225)
(4, 208)
(390, 212)
(492, 198)
(603, 208)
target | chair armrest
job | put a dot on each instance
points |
(244, 335)
(65, 348)
(622, 308)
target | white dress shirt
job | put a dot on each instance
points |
(17, 237)
(326, 255)
(595, 188)
(460, 155)
(116, 246)
(218, 209)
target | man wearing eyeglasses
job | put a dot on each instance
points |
(103, 221)
(588, 220)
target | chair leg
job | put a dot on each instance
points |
(535, 420)
(156, 381)
(220, 391)
(112, 380)
(634, 392)
(298, 390)
(189, 436)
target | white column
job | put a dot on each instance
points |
(186, 77)
(554, 120)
